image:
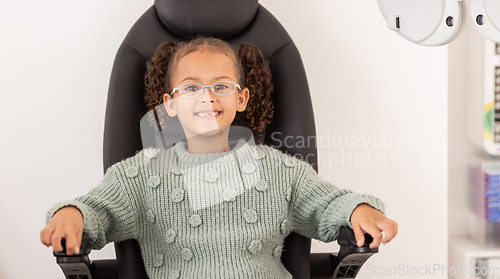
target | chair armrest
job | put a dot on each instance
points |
(347, 262)
(78, 265)
(344, 264)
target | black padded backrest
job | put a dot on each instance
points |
(293, 117)
(225, 18)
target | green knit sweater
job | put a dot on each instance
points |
(216, 215)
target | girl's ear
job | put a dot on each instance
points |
(243, 97)
(168, 102)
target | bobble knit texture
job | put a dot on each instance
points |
(217, 215)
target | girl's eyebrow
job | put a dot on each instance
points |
(198, 80)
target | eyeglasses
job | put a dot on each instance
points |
(194, 89)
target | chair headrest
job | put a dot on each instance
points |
(220, 18)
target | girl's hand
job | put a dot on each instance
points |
(67, 223)
(366, 219)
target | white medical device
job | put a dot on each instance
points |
(425, 22)
(485, 15)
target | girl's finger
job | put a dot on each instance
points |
(359, 235)
(46, 235)
(78, 238)
(70, 244)
(56, 241)
(391, 231)
(388, 230)
(376, 234)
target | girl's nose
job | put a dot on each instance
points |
(207, 95)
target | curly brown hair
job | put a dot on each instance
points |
(252, 71)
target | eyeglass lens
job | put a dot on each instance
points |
(219, 88)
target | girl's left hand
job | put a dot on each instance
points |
(367, 219)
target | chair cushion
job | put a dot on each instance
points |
(226, 17)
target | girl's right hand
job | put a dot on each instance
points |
(67, 223)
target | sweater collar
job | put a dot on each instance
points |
(240, 147)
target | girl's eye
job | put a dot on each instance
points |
(191, 88)
(220, 86)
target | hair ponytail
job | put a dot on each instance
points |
(257, 78)
(156, 82)
(156, 78)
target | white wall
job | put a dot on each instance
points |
(56, 59)
(366, 82)
(465, 100)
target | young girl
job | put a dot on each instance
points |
(221, 208)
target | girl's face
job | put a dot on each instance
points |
(195, 113)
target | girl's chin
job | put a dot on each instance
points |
(208, 133)
(209, 130)
(212, 130)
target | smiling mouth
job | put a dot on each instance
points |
(208, 114)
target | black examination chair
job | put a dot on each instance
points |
(243, 21)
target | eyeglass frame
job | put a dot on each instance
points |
(236, 85)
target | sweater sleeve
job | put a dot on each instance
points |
(107, 210)
(319, 208)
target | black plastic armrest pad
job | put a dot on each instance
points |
(84, 248)
(346, 238)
